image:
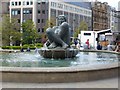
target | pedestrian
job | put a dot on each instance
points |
(28, 49)
(99, 46)
(78, 45)
(21, 50)
(110, 47)
(87, 43)
(75, 42)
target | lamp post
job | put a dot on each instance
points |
(73, 24)
(11, 43)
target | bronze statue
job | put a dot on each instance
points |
(59, 36)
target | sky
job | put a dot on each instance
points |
(113, 3)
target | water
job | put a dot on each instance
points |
(32, 59)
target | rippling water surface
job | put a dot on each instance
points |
(32, 59)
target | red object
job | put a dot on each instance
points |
(87, 42)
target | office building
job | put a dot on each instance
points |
(4, 9)
(101, 16)
(42, 10)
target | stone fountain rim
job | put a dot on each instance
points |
(61, 69)
(58, 74)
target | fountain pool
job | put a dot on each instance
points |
(31, 67)
(31, 59)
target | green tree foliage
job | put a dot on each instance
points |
(82, 27)
(30, 33)
(10, 30)
(49, 23)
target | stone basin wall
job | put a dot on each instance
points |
(61, 74)
(58, 53)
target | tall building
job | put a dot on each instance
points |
(41, 10)
(114, 19)
(101, 16)
(119, 16)
(4, 9)
(119, 6)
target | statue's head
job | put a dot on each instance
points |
(61, 19)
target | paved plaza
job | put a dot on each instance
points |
(107, 83)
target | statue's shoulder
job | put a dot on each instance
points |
(64, 23)
(55, 27)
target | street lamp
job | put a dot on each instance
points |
(11, 43)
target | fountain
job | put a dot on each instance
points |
(29, 67)
(57, 62)
(58, 44)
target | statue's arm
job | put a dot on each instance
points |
(47, 43)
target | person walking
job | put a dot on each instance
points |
(87, 43)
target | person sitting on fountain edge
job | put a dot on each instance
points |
(58, 36)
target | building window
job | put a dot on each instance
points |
(43, 12)
(38, 11)
(24, 12)
(30, 11)
(42, 30)
(31, 2)
(15, 3)
(38, 2)
(19, 3)
(13, 12)
(42, 20)
(27, 11)
(43, 2)
(38, 29)
(38, 20)
(18, 11)
(18, 20)
(12, 3)
(27, 3)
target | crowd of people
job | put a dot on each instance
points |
(110, 46)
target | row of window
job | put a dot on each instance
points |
(41, 30)
(27, 11)
(42, 20)
(16, 12)
(70, 8)
(43, 11)
(41, 2)
(22, 3)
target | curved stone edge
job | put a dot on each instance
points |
(60, 69)
(104, 51)
(58, 75)
(58, 53)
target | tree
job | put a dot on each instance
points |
(49, 23)
(30, 33)
(10, 30)
(82, 27)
